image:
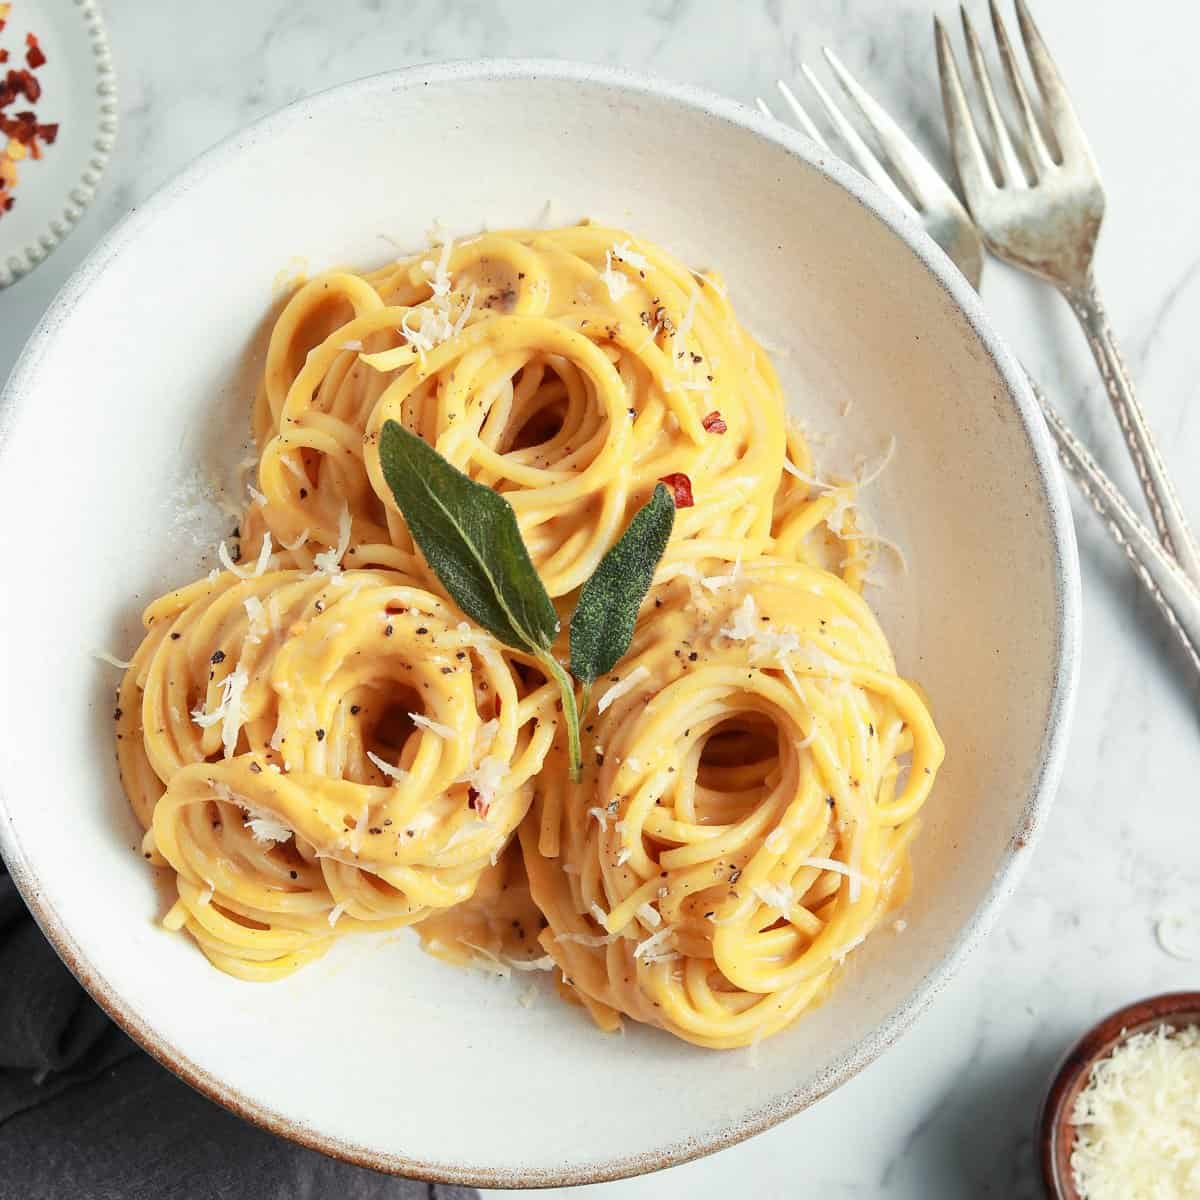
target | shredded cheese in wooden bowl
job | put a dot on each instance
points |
(1137, 1121)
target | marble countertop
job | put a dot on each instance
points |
(949, 1112)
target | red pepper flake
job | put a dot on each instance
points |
(19, 82)
(681, 487)
(714, 423)
(20, 134)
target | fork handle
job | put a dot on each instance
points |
(1165, 510)
(1171, 590)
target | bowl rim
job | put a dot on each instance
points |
(1070, 1076)
(1047, 770)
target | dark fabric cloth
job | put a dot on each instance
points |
(85, 1115)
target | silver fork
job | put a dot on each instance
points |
(1041, 210)
(943, 217)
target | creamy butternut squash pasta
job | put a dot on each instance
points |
(317, 742)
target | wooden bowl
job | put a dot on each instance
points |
(1056, 1134)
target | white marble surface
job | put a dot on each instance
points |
(949, 1112)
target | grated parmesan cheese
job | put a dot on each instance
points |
(714, 583)
(657, 947)
(601, 817)
(1178, 936)
(616, 283)
(649, 915)
(621, 687)
(679, 342)
(813, 481)
(486, 779)
(228, 713)
(295, 468)
(490, 962)
(386, 767)
(328, 562)
(773, 643)
(868, 477)
(234, 716)
(545, 963)
(256, 613)
(832, 864)
(435, 322)
(264, 557)
(587, 939)
(744, 625)
(423, 722)
(113, 661)
(267, 829)
(776, 896)
(638, 261)
(1137, 1123)
(335, 912)
(485, 735)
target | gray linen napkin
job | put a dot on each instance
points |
(85, 1114)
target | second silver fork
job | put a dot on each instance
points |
(1040, 209)
(928, 197)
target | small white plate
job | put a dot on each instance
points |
(79, 94)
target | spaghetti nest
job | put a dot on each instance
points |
(743, 823)
(317, 754)
(569, 369)
(317, 743)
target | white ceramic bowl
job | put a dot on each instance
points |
(145, 364)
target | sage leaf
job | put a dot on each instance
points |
(469, 536)
(470, 539)
(602, 626)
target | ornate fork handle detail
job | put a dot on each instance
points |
(1165, 509)
(1172, 582)
(1171, 590)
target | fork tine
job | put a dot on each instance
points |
(1060, 112)
(762, 108)
(1012, 172)
(802, 118)
(868, 164)
(969, 158)
(926, 185)
(1035, 144)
